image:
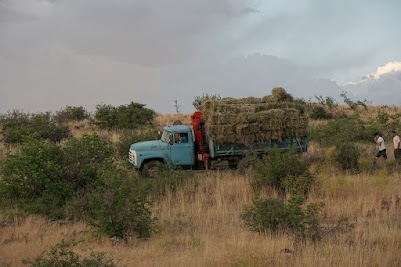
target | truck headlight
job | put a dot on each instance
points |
(132, 157)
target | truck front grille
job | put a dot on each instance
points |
(131, 157)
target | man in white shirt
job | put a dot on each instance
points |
(396, 141)
(381, 146)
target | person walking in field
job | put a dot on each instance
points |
(397, 149)
(381, 146)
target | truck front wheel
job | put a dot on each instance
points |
(152, 167)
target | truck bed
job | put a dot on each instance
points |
(221, 150)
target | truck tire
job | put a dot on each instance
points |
(152, 168)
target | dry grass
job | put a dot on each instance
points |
(201, 226)
(168, 119)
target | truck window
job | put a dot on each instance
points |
(181, 138)
(165, 137)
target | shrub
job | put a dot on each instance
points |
(120, 205)
(388, 122)
(283, 171)
(84, 157)
(320, 113)
(123, 117)
(347, 156)
(33, 177)
(351, 129)
(41, 177)
(17, 126)
(275, 215)
(70, 113)
(62, 254)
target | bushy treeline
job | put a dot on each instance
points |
(123, 117)
(18, 125)
(80, 180)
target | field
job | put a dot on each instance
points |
(200, 224)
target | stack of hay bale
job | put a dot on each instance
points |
(252, 119)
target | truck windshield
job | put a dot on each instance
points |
(165, 137)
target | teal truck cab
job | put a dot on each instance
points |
(172, 149)
(191, 148)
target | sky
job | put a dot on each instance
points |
(55, 53)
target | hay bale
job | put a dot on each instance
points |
(246, 117)
(280, 95)
(291, 112)
(270, 115)
(229, 108)
(267, 99)
(249, 120)
(247, 108)
(281, 105)
(247, 129)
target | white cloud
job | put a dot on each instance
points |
(380, 87)
(388, 68)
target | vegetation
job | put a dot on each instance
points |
(129, 116)
(70, 113)
(351, 129)
(320, 113)
(42, 177)
(283, 172)
(276, 216)
(18, 125)
(62, 255)
(119, 205)
(82, 189)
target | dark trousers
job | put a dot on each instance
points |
(397, 154)
(382, 153)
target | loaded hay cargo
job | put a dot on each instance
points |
(250, 120)
(225, 131)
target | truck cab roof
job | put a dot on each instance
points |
(178, 128)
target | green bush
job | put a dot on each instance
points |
(351, 129)
(120, 205)
(41, 177)
(18, 125)
(70, 113)
(320, 113)
(347, 156)
(275, 215)
(63, 255)
(283, 171)
(84, 157)
(123, 117)
(34, 179)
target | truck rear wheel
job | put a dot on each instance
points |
(152, 168)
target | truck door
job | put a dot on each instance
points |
(182, 150)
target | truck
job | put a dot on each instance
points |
(199, 151)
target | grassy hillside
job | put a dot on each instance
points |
(199, 223)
